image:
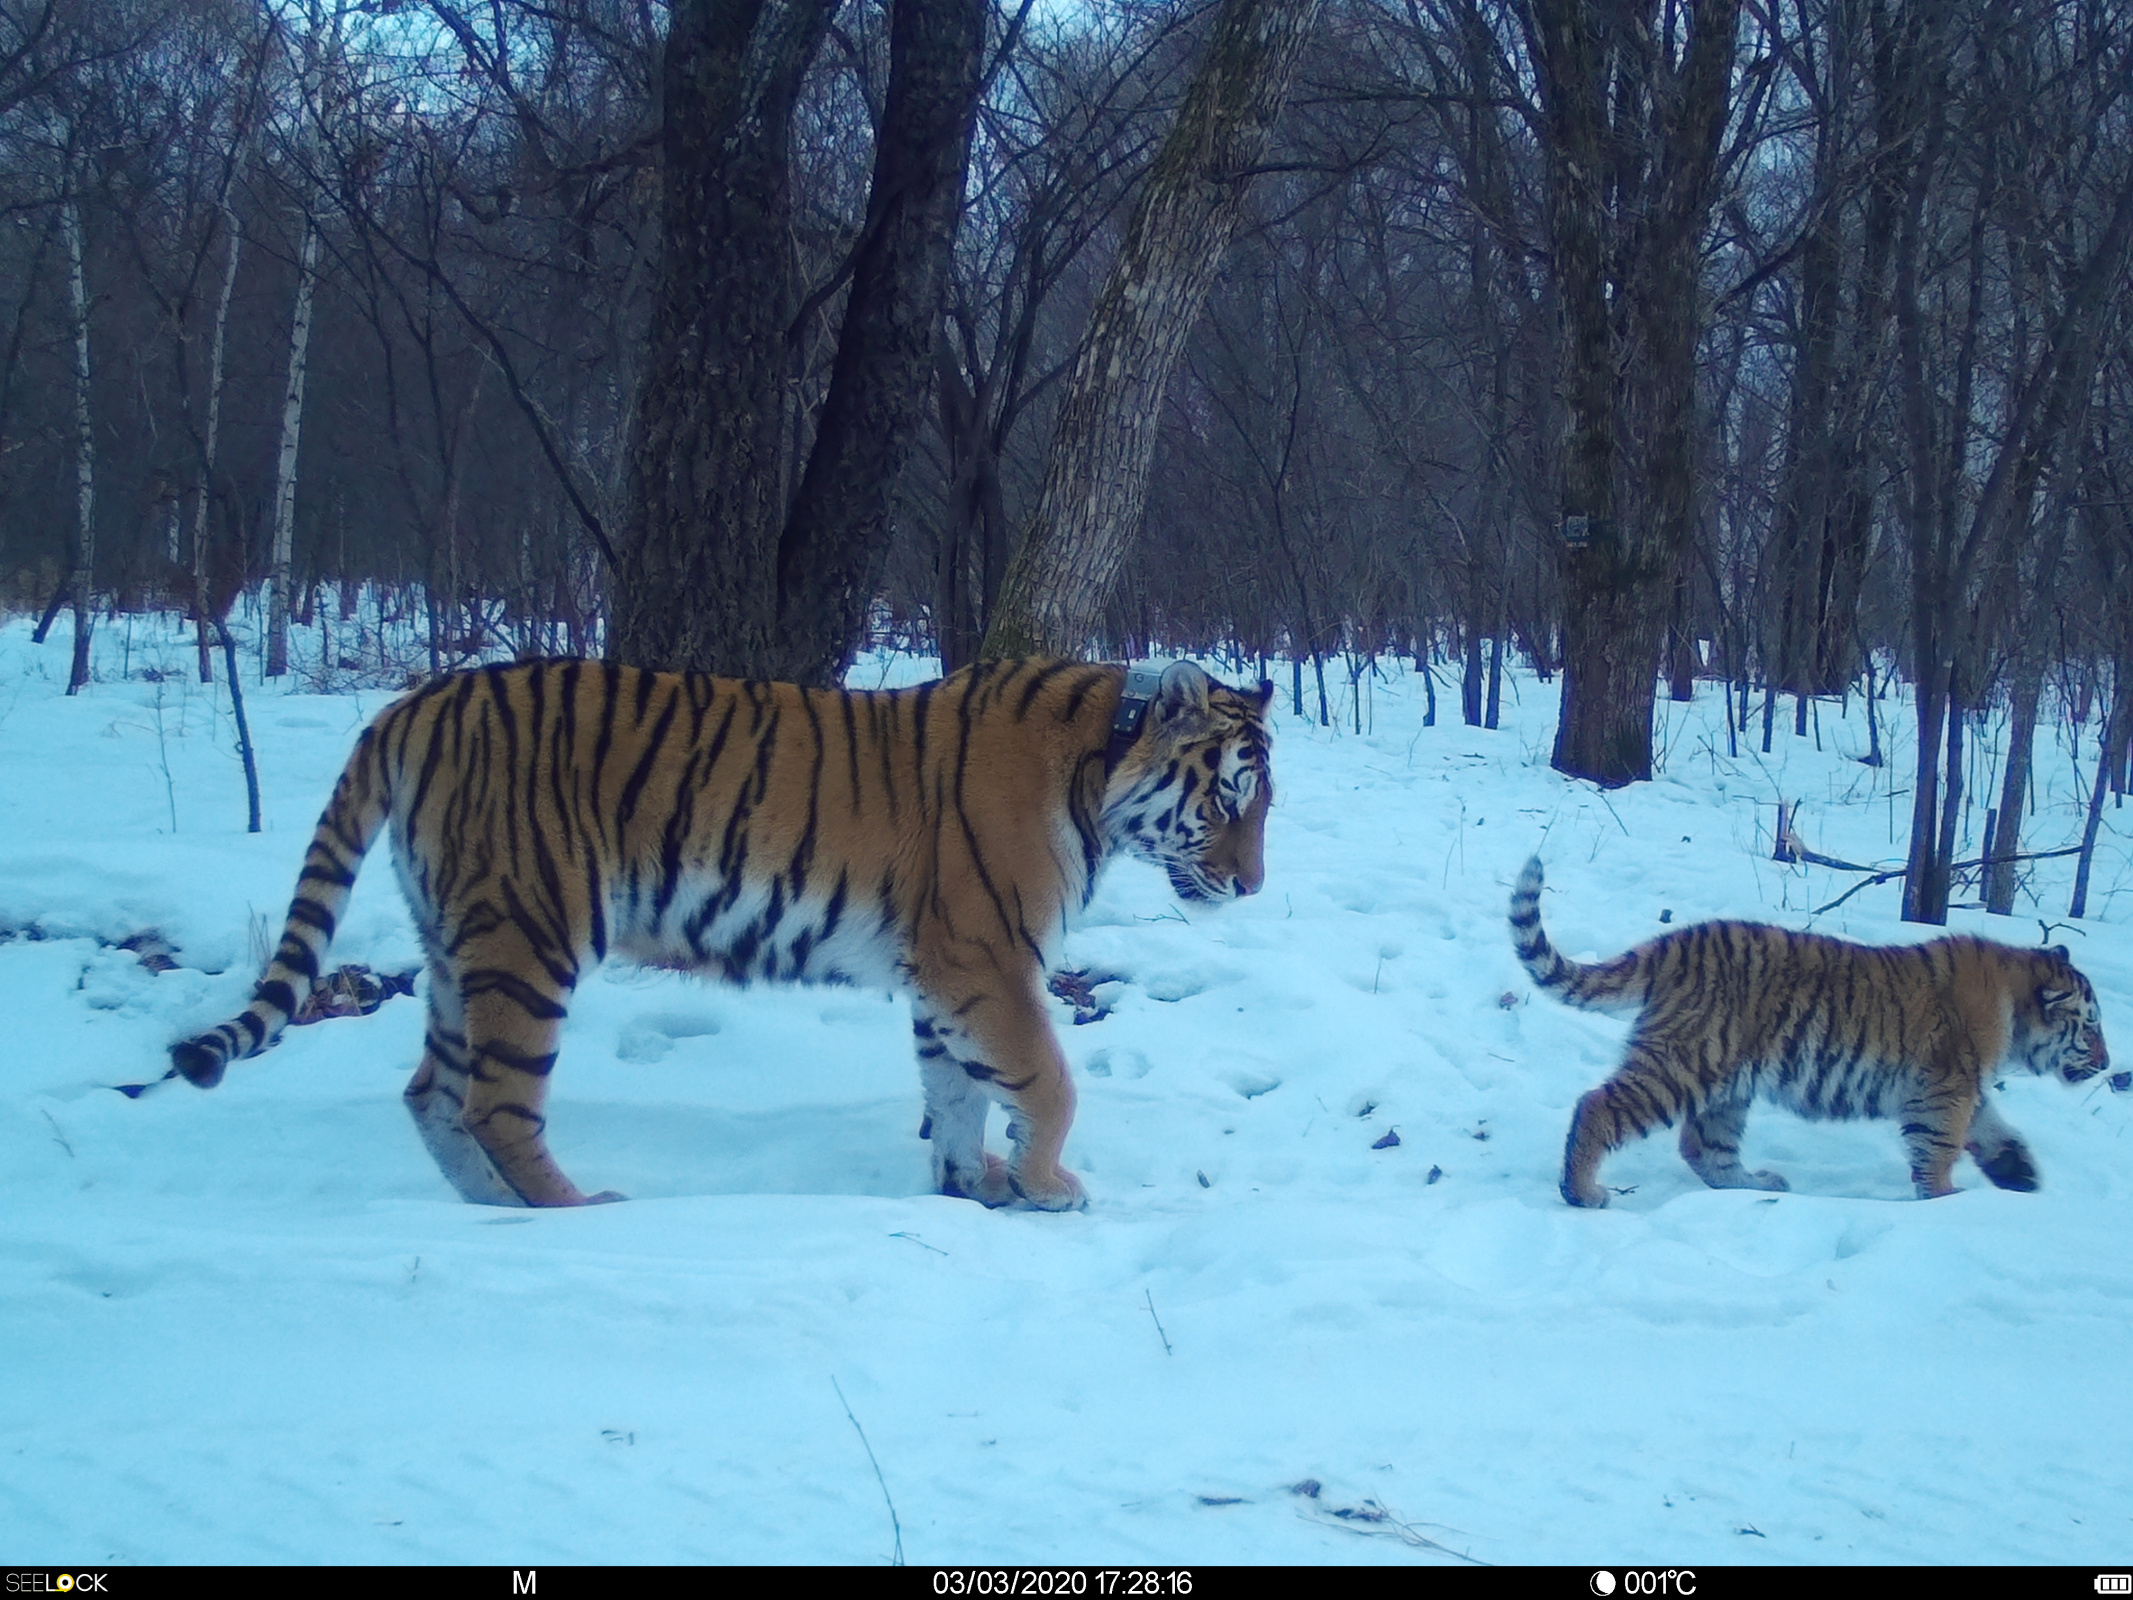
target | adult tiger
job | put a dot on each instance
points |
(933, 838)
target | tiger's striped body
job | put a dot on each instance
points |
(546, 815)
(1727, 1012)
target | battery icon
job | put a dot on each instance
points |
(2114, 1583)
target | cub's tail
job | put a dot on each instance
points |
(361, 801)
(1617, 985)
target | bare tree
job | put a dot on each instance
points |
(1636, 98)
(715, 572)
(1096, 476)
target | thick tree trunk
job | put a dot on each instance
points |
(292, 424)
(1632, 137)
(81, 583)
(697, 560)
(835, 542)
(1096, 477)
(715, 572)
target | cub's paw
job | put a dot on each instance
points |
(2009, 1167)
(1590, 1195)
(1060, 1191)
(1766, 1179)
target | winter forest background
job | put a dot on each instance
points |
(1735, 393)
(1787, 344)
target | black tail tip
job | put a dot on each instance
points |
(197, 1063)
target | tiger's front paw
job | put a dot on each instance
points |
(1766, 1179)
(1058, 1191)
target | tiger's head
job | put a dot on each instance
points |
(2066, 1040)
(1190, 794)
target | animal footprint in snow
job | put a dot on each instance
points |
(649, 1038)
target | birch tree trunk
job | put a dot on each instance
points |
(202, 604)
(84, 573)
(1096, 478)
(292, 420)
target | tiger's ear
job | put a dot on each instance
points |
(1182, 695)
(2061, 952)
(1266, 693)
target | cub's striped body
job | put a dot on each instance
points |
(1731, 1011)
(936, 838)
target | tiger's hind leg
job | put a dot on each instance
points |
(1649, 1090)
(955, 1117)
(437, 1097)
(1710, 1144)
(1998, 1149)
(512, 1008)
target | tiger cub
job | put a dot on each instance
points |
(1727, 1011)
(933, 839)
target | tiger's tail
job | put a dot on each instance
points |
(1617, 985)
(361, 802)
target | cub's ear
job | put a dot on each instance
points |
(1266, 693)
(2061, 952)
(1182, 695)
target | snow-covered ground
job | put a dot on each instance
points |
(254, 1325)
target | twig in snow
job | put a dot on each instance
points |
(898, 1559)
(1372, 1520)
(1158, 1321)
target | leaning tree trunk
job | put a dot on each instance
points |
(1096, 478)
(292, 422)
(84, 573)
(714, 573)
(835, 542)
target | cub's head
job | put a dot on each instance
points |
(1191, 792)
(2066, 1039)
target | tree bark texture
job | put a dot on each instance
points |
(82, 581)
(216, 348)
(716, 571)
(1096, 476)
(698, 556)
(1634, 102)
(835, 541)
(292, 427)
